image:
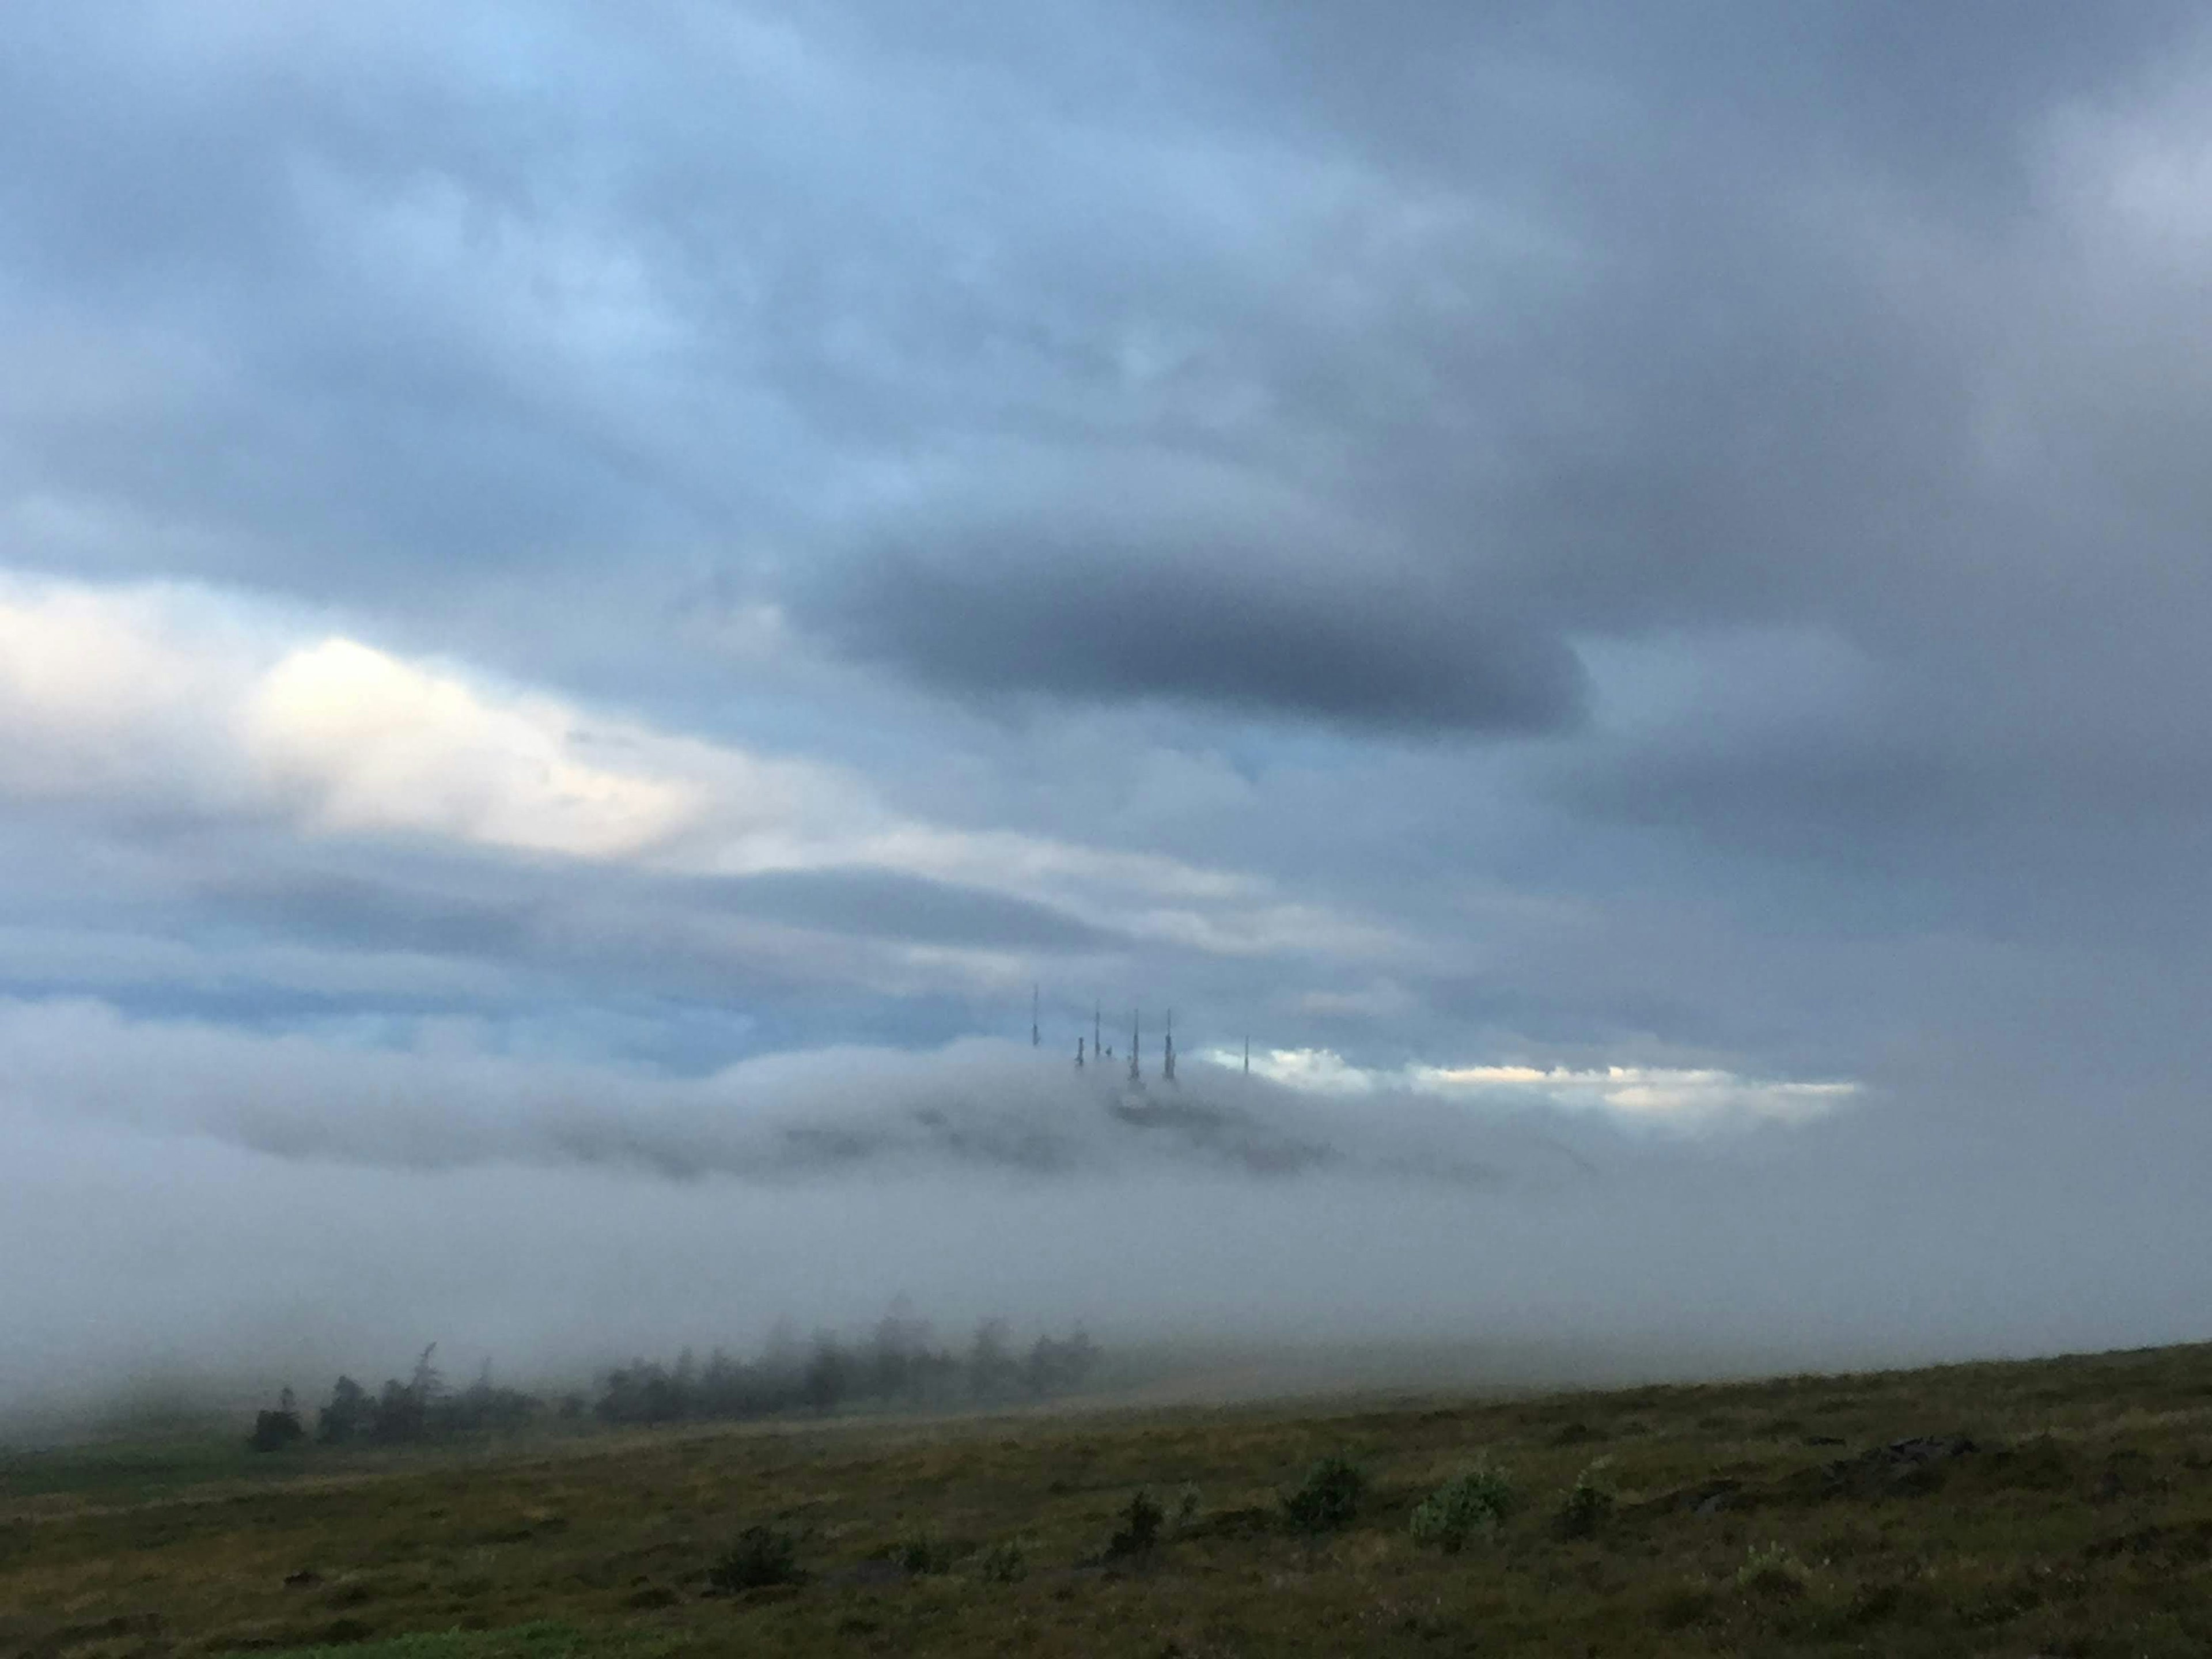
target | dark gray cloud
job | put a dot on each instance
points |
(375, 913)
(1475, 337)
(1347, 644)
(1580, 322)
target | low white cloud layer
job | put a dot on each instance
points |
(828, 1113)
(1672, 1097)
(1687, 1098)
(205, 1205)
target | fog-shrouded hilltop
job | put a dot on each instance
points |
(218, 1214)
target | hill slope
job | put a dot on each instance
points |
(2058, 1506)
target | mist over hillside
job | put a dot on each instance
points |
(217, 1213)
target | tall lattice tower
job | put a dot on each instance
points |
(1136, 1048)
(1167, 1051)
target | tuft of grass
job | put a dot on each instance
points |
(1771, 1572)
(1478, 1500)
(1186, 1507)
(1328, 1499)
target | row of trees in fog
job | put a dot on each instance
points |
(899, 1364)
(400, 1414)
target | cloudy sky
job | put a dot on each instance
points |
(590, 596)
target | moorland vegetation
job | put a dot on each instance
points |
(2054, 1507)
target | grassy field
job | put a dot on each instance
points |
(2053, 1507)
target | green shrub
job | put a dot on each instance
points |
(1140, 1530)
(1587, 1505)
(762, 1556)
(1684, 1606)
(923, 1555)
(1003, 1564)
(1772, 1573)
(1186, 1507)
(1328, 1499)
(1476, 1501)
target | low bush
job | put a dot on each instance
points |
(923, 1554)
(1687, 1605)
(1476, 1501)
(1005, 1563)
(1587, 1506)
(1772, 1573)
(762, 1556)
(1139, 1532)
(1328, 1499)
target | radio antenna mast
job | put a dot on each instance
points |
(1036, 1037)
(1167, 1060)
(1248, 1056)
(1136, 1048)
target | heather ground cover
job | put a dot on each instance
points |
(2051, 1507)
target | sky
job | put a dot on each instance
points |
(592, 597)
